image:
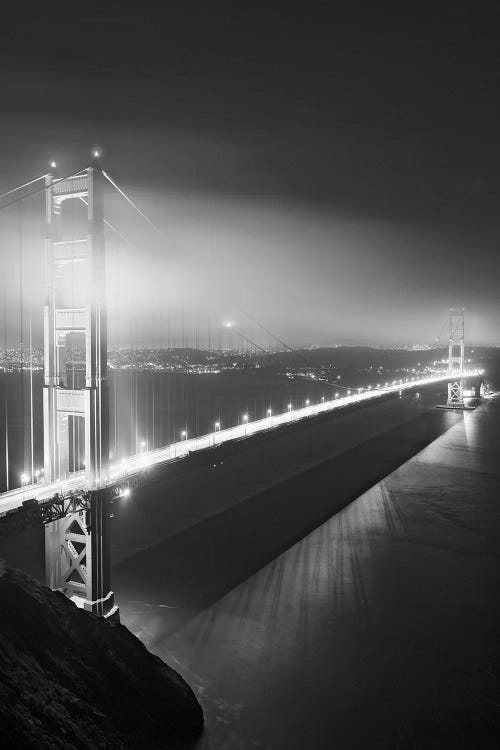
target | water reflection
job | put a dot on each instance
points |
(354, 637)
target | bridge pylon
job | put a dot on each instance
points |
(77, 543)
(456, 359)
(75, 305)
(77, 554)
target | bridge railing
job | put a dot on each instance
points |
(120, 470)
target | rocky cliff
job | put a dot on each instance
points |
(71, 680)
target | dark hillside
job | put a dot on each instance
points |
(71, 680)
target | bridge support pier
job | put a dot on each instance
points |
(77, 555)
(456, 358)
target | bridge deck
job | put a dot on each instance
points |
(120, 471)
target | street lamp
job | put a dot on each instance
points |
(184, 434)
(307, 402)
(24, 480)
(245, 421)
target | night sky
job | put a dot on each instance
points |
(334, 170)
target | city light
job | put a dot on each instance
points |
(245, 417)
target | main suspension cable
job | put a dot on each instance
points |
(131, 202)
(24, 185)
(39, 190)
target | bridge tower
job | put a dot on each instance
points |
(456, 356)
(75, 305)
(75, 409)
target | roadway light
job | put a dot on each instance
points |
(184, 434)
(348, 393)
(336, 395)
(269, 412)
(217, 426)
(323, 399)
(96, 153)
(245, 417)
(143, 444)
(126, 492)
(24, 478)
(289, 407)
(53, 165)
(307, 402)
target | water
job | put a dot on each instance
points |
(377, 629)
(148, 410)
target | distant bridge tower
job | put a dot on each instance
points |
(456, 358)
(75, 409)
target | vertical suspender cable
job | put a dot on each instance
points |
(6, 400)
(21, 327)
(31, 398)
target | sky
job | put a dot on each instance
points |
(332, 170)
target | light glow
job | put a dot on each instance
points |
(120, 469)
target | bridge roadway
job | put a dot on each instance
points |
(121, 471)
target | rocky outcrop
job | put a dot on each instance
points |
(71, 680)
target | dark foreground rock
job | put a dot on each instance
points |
(71, 680)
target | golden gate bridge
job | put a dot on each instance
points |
(73, 491)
